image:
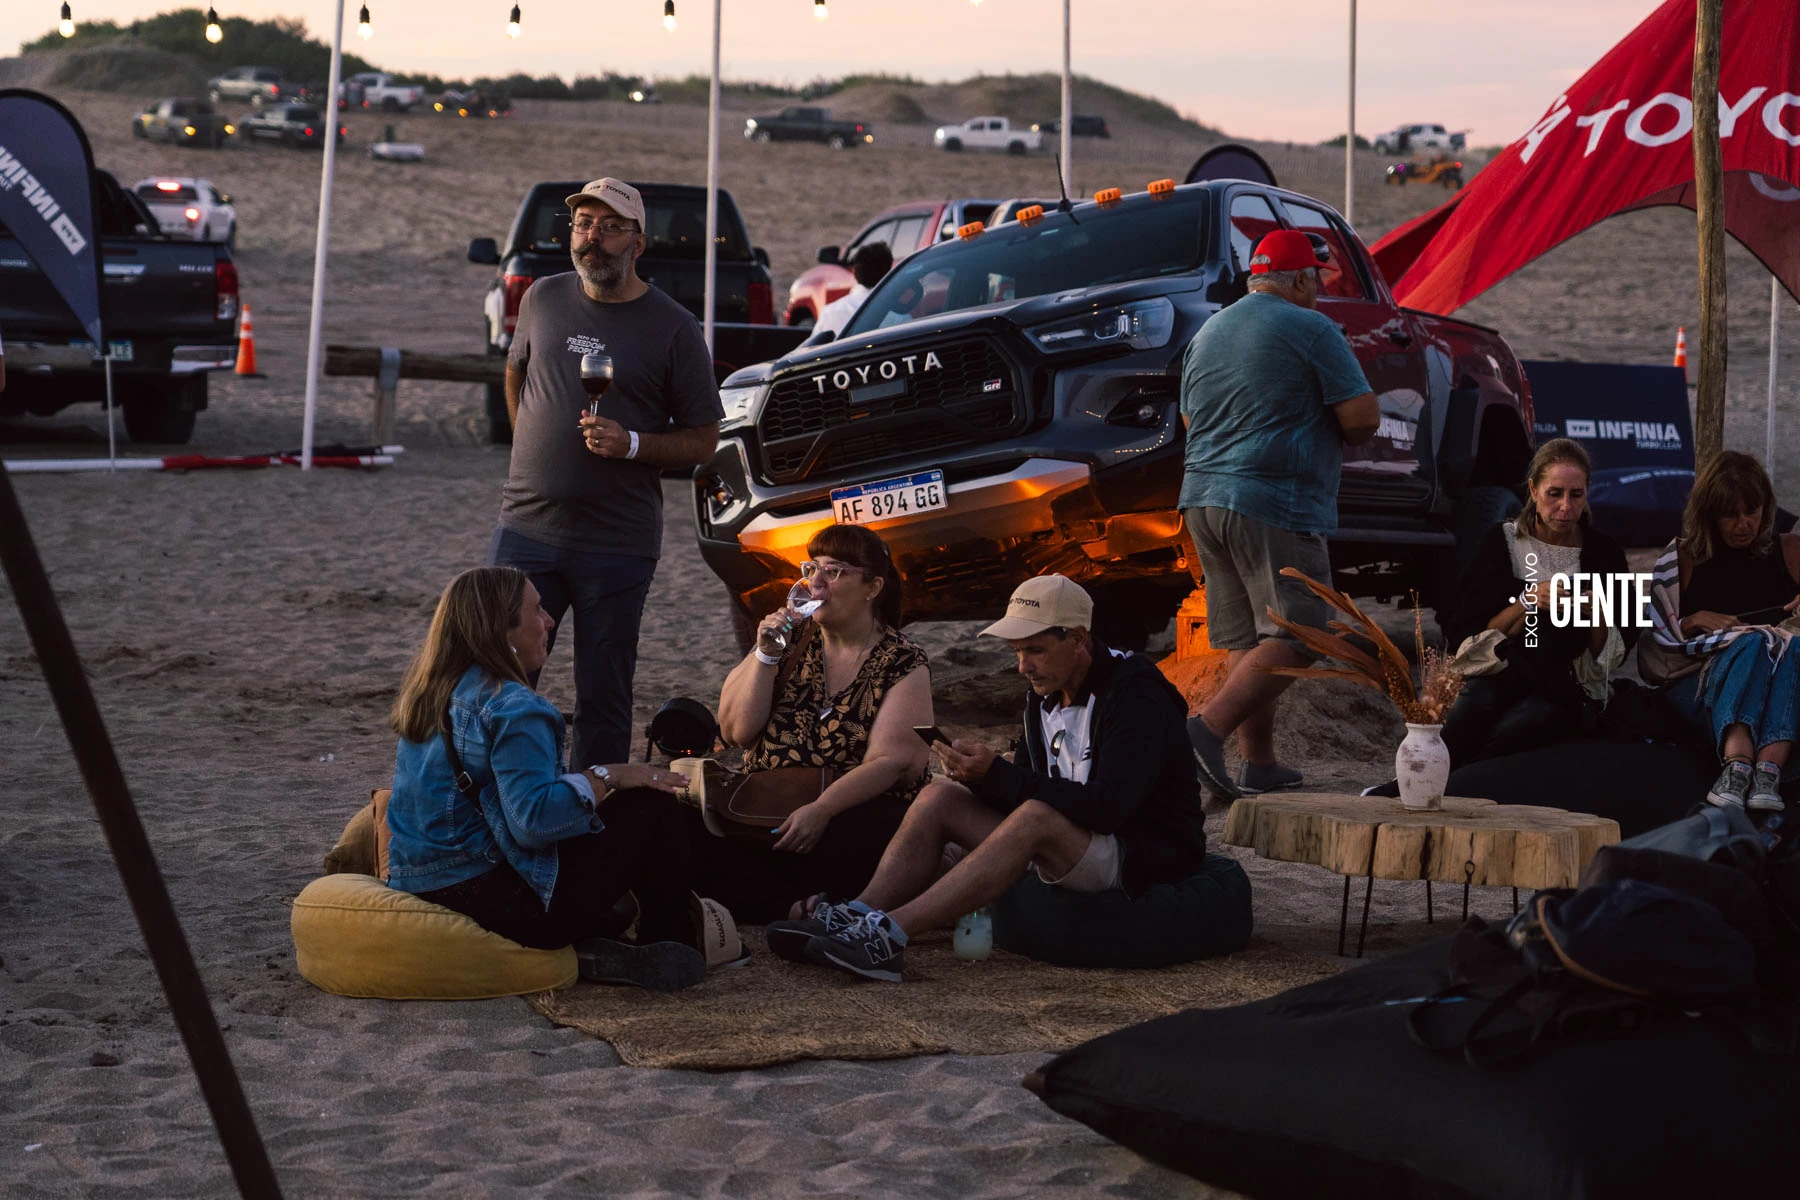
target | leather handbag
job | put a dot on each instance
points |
(750, 806)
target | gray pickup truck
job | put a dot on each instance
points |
(800, 124)
(171, 312)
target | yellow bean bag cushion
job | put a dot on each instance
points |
(356, 936)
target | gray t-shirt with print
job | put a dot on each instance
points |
(558, 491)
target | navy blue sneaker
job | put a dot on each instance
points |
(868, 947)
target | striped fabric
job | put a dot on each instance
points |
(1665, 615)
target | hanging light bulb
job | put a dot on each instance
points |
(669, 15)
(214, 33)
(66, 26)
(512, 23)
(819, 10)
(364, 30)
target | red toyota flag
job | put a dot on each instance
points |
(1621, 139)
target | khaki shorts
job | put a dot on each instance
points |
(1242, 558)
(1098, 870)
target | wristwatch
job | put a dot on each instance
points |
(604, 776)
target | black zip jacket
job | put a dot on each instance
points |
(1143, 786)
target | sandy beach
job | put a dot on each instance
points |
(245, 632)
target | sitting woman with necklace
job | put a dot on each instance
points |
(845, 692)
(1553, 681)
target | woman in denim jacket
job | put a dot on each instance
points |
(528, 852)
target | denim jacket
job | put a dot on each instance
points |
(510, 742)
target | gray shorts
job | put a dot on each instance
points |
(1100, 868)
(1242, 558)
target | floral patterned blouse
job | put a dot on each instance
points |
(808, 728)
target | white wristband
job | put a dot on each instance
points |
(632, 434)
(767, 660)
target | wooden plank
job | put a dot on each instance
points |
(456, 368)
(1468, 840)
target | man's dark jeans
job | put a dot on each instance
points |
(607, 593)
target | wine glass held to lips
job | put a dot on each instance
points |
(596, 377)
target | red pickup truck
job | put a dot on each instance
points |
(906, 228)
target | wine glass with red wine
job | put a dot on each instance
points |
(596, 377)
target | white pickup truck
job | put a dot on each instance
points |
(987, 133)
(377, 89)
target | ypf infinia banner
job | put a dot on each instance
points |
(47, 198)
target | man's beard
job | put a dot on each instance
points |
(600, 270)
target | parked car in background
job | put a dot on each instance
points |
(1437, 168)
(987, 133)
(1008, 404)
(799, 124)
(906, 228)
(1409, 138)
(183, 122)
(1081, 126)
(473, 103)
(377, 90)
(192, 210)
(171, 316)
(258, 85)
(674, 261)
(291, 125)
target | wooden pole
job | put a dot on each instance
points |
(1709, 208)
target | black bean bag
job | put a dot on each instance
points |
(1641, 785)
(1203, 915)
(1321, 1091)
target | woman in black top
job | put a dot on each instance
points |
(1553, 682)
(1735, 581)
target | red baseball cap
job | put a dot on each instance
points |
(1283, 250)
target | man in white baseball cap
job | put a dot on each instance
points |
(581, 512)
(1104, 796)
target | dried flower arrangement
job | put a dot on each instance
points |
(1386, 670)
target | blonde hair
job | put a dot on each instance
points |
(1552, 453)
(1731, 483)
(475, 614)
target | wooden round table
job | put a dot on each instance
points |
(1467, 841)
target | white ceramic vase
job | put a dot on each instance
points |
(1422, 765)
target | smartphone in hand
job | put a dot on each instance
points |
(931, 733)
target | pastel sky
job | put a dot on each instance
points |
(1267, 68)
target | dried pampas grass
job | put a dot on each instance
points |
(1386, 669)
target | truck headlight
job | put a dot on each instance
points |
(1142, 325)
(742, 405)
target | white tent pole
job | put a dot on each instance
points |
(1068, 112)
(712, 182)
(1350, 132)
(314, 351)
(1774, 357)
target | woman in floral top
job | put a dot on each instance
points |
(849, 699)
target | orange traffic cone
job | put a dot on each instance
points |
(246, 355)
(1681, 347)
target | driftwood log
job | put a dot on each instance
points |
(1467, 841)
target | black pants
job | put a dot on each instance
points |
(758, 885)
(643, 850)
(1505, 713)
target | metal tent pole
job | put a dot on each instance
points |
(1350, 132)
(1068, 112)
(1774, 359)
(315, 351)
(712, 183)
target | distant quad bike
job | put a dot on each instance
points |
(1447, 172)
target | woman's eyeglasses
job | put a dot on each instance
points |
(829, 572)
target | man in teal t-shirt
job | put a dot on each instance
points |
(1270, 392)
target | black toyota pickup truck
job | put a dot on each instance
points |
(1007, 404)
(171, 313)
(808, 125)
(674, 260)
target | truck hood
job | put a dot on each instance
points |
(1008, 317)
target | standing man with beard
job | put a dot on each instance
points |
(581, 513)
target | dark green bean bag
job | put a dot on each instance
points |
(1203, 915)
